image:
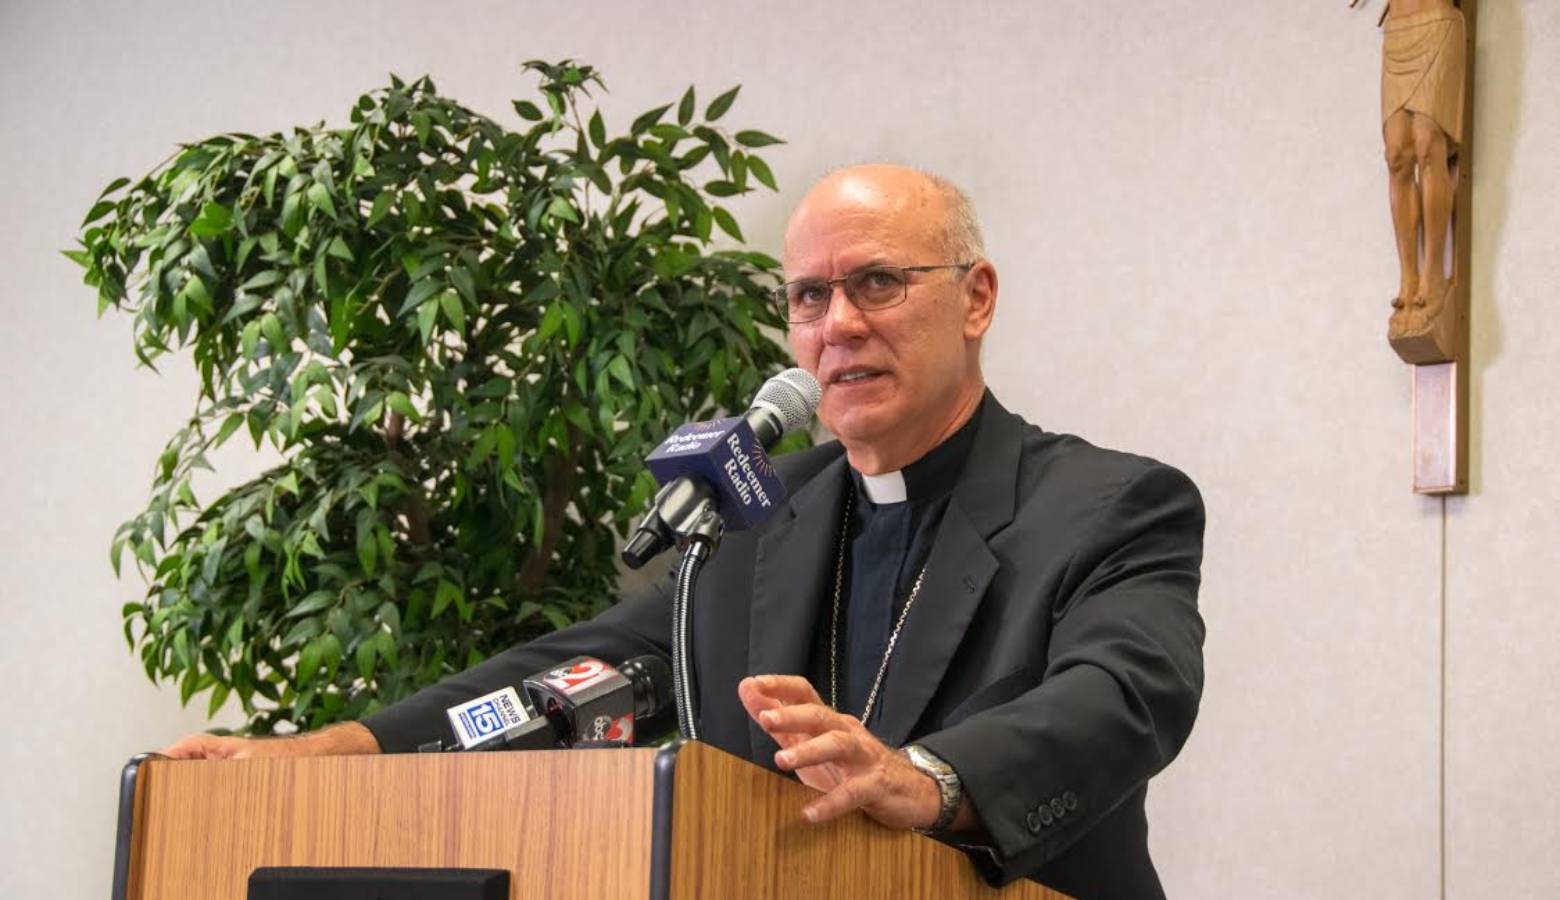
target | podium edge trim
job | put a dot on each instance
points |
(665, 782)
(125, 825)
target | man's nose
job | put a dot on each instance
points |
(843, 320)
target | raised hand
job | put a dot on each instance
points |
(833, 753)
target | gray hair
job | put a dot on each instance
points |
(961, 237)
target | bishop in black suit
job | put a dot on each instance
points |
(959, 622)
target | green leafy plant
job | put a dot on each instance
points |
(461, 338)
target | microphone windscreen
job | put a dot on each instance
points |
(793, 395)
(652, 680)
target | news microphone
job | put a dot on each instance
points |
(589, 701)
(721, 466)
(502, 720)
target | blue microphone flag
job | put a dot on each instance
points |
(726, 455)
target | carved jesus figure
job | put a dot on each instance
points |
(1423, 79)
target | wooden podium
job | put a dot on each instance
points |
(682, 822)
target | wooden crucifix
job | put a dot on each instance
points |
(1427, 124)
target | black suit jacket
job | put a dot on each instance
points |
(1054, 658)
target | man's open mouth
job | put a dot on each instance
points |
(854, 376)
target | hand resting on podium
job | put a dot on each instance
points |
(345, 739)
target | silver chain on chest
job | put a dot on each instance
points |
(834, 622)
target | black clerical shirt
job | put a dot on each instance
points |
(889, 543)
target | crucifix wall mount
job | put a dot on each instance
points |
(1426, 124)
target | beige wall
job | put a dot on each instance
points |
(1502, 614)
(1186, 204)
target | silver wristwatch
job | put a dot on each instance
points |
(948, 786)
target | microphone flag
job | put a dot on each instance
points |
(479, 720)
(593, 700)
(727, 455)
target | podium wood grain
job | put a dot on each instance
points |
(737, 831)
(569, 825)
(566, 824)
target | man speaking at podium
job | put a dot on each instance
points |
(960, 623)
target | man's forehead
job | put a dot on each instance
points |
(855, 220)
(879, 192)
(826, 250)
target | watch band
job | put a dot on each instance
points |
(949, 789)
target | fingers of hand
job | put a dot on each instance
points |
(210, 746)
(192, 746)
(840, 747)
(809, 718)
(763, 694)
(753, 698)
(854, 793)
(783, 689)
(888, 789)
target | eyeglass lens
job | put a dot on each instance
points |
(870, 288)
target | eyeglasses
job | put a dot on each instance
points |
(872, 287)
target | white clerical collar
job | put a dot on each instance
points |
(886, 488)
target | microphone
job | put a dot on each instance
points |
(502, 720)
(591, 702)
(581, 701)
(721, 466)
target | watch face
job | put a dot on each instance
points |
(948, 787)
(930, 764)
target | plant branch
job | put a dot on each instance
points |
(562, 471)
(418, 517)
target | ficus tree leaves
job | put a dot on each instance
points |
(461, 336)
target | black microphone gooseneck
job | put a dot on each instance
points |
(701, 543)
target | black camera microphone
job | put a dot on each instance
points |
(592, 703)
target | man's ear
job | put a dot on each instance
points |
(980, 291)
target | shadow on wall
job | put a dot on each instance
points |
(1500, 60)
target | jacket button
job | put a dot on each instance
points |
(1070, 799)
(1033, 821)
(1046, 816)
(1058, 807)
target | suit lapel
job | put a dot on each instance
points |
(791, 572)
(958, 571)
(795, 559)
